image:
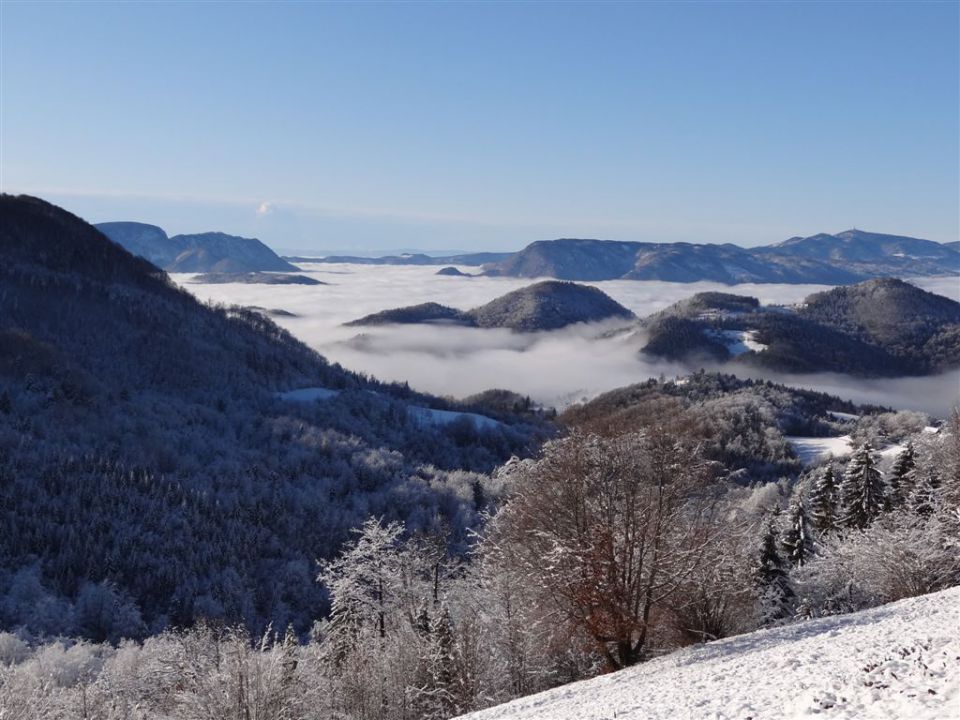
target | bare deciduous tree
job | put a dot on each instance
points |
(609, 528)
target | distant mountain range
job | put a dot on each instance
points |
(199, 253)
(548, 305)
(883, 327)
(847, 257)
(472, 259)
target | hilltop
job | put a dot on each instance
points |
(199, 253)
(882, 327)
(547, 305)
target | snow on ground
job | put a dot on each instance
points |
(813, 449)
(424, 416)
(429, 416)
(309, 394)
(900, 660)
(741, 341)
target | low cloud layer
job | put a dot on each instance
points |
(553, 368)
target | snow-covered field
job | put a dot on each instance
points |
(897, 661)
(814, 449)
(554, 368)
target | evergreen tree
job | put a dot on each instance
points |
(796, 542)
(901, 475)
(824, 496)
(862, 493)
(924, 498)
(770, 576)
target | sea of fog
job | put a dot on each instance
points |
(555, 368)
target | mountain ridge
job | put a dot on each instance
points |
(197, 252)
(848, 257)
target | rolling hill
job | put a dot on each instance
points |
(877, 328)
(548, 305)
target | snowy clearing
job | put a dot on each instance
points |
(423, 416)
(308, 394)
(900, 660)
(813, 449)
(445, 417)
(739, 342)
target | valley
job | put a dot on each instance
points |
(459, 361)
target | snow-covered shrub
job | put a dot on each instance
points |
(900, 555)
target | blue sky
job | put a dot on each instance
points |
(489, 125)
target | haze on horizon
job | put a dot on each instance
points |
(476, 126)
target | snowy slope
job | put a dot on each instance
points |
(900, 660)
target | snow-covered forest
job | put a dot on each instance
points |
(606, 551)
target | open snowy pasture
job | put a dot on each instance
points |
(554, 368)
(900, 660)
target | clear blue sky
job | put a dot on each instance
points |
(456, 125)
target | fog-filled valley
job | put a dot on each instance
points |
(554, 368)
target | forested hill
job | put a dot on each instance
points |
(147, 460)
(877, 328)
(547, 305)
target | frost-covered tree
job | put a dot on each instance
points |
(824, 500)
(862, 493)
(365, 581)
(899, 479)
(770, 575)
(925, 496)
(796, 541)
(608, 528)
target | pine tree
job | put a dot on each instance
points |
(901, 475)
(824, 496)
(770, 576)
(796, 542)
(862, 493)
(924, 496)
